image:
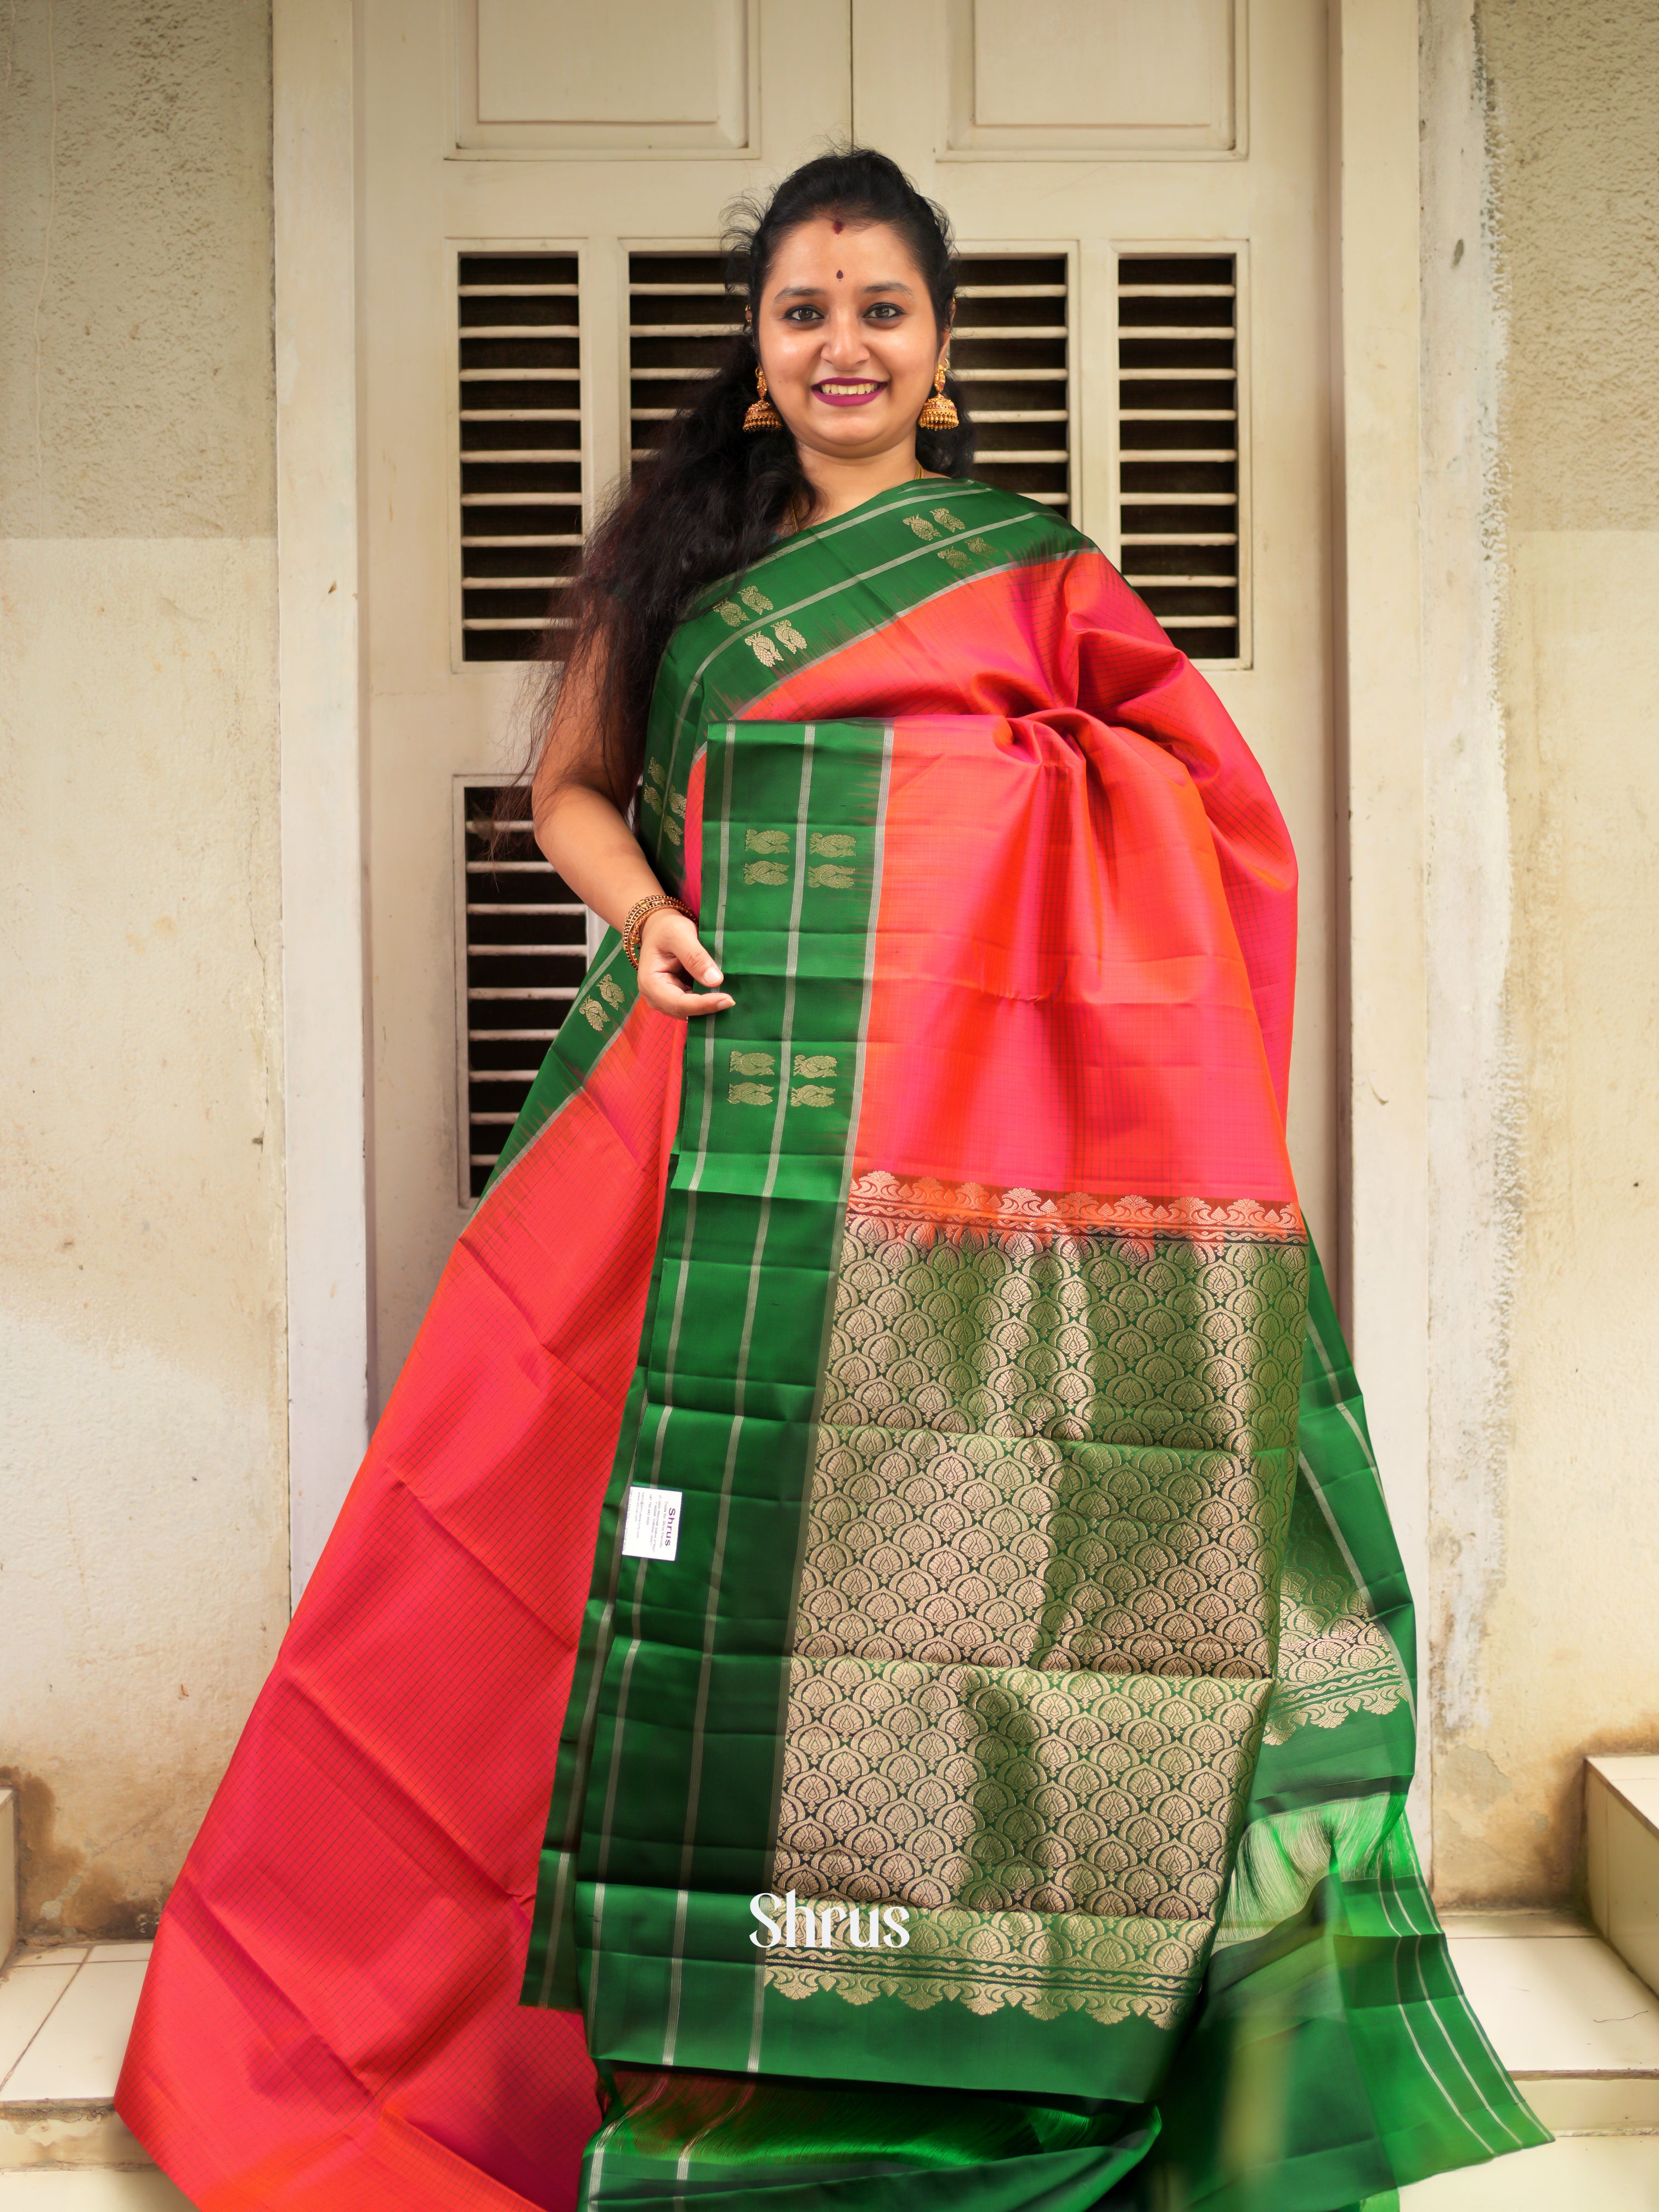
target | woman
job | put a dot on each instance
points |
(883, 1450)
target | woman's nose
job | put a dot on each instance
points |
(843, 341)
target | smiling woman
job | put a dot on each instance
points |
(882, 1459)
(850, 277)
(849, 345)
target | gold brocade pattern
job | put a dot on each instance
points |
(1040, 1591)
(1021, 1552)
(995, 1789)
(1019, 1321)
(1044, 1964)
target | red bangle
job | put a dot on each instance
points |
(639, 912)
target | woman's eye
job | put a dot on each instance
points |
(887, 310)
(806, 313)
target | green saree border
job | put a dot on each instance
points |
(813, 2147)
(1335, 2057)
(781, 611)
(876, 546)
(680, 1679)
(595, 1021)
(677, 1991)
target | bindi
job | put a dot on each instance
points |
(837, 275)
(835, 225)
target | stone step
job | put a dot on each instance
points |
(7, 1874)
(1577, 2028)
(1622, 1824)
(1579, 2173)
(1580, 2033)
(90, 2189)
(65, 2013)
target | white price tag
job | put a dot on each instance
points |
(651, 1525)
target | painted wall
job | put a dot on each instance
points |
(142, 1490)
(143, 1535)
(1542, 519)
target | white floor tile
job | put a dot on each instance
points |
(1470, 1926)
(76, 2056)
(107, 1954)
(1568, 2007)
(1635, 1778)
(53, 1954)
(90, 2189)
(1579, 2173)
(26, 2002)
(1594, 2104)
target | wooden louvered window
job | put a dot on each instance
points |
(1009, 353)
(680, 320)
(520, 954)
(1180, 447)
(520, 446)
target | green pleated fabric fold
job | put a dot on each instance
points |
(1331, 2057)
(1334, 2058)
(723, 2142)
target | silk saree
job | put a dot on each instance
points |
(865, 1665)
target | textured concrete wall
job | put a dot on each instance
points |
(142, 1494)
(1542, 506)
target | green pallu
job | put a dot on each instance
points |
(1332, 2052)
(1255, 2011)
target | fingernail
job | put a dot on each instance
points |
(715, 976)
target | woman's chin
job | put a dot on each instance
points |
(852, 433)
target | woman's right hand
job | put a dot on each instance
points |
(672, 959)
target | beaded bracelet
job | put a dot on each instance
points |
(639, 912)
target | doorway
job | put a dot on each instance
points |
(1139, 191)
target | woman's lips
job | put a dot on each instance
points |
(848, 391)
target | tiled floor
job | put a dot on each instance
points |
(1578, 2028)
(64, 2019)
(1581, 2035)
(1585, 2173)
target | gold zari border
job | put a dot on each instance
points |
(917, 1205)
(1044, 1964)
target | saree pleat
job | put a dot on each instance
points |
(792, 2146)
(994, 1795)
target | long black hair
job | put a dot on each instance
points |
(713, 497)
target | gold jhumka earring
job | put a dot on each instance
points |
(939, 413)
(762, 414)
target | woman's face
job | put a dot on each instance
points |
(846, 338)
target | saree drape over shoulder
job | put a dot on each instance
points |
(885, 1460)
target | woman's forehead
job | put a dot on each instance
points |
(830, 249)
